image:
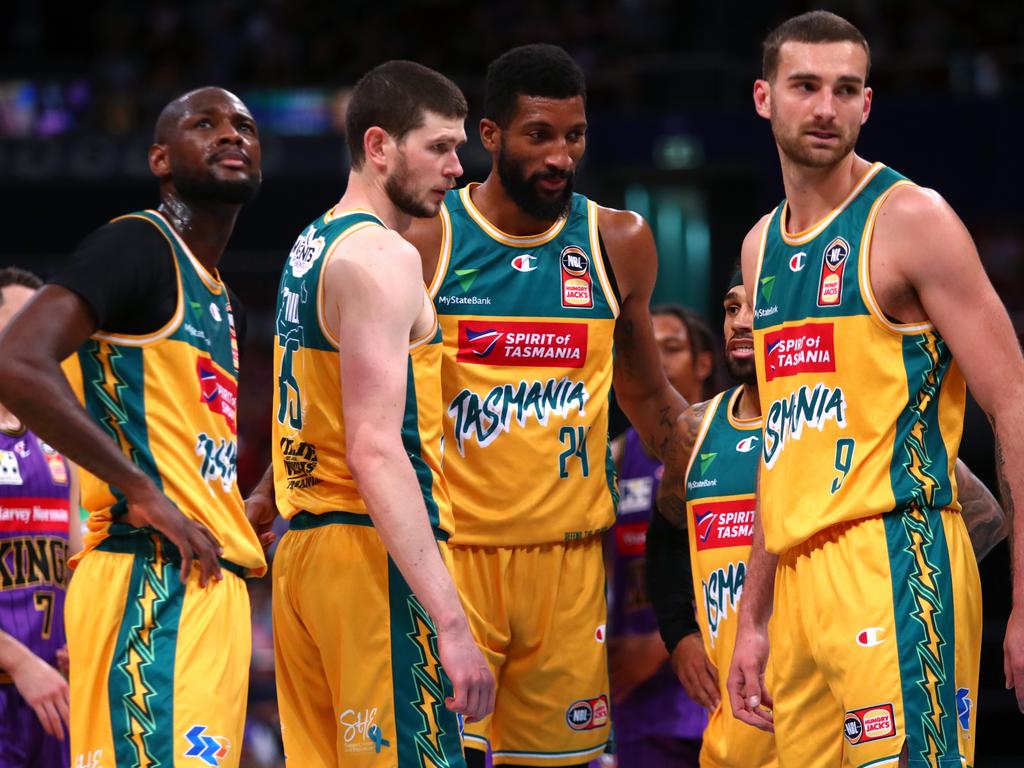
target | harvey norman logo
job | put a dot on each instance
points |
(534, 344)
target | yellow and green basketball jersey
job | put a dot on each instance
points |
(169, 400)
(862, 415)
(720, 494)
(527, 370)
(311, 473)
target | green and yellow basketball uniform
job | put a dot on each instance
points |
(527, 370)
(154, 657)
(358, 675)
(720, 489)
(876, 630)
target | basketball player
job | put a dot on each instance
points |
(707, 503)
(861, 366)
(39, 528)
(656, 723)
(375, 660)
(533, 283)
(159, 649)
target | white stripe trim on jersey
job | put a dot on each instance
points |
(444, 254)
(760, 260)
(516, 241)
(804, 237)
(598, 254)
(549, 755)
(735, 421)
(864, 271)
(131, 340)
(705, 425)
(321, 287)
(420, 340)
(211, 281)
(883, 761)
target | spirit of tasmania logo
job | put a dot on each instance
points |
(218, 391)
(535, 344)
(806, 348)
(724, 523)
(485, 417)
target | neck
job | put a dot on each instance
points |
(367, 193)
(205, 227)
(748, 406)
(813, 193)
(491, 199)
(8, 421)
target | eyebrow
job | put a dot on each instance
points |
(811, 76)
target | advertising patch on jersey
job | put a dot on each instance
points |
(55, 463)
(833, 264)
(305, 252)
(525, 262)
(217, 391)
(724, 523)
(526, 343)
(808, 348)
(300, 462)
(577, 284)
(631, 539)
(588, 714)
(10, 470)
(208, 749)
(870, 724)
(34, 515)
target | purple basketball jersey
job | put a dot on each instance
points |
(34, 518)
(659, 707)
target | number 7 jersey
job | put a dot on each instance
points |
(526, 374)
(862, 415)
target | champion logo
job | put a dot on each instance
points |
(524, 263)
(797, 261)
(870, 637)
(481, 343)
(746, 445)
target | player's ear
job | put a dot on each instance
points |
(490, 135)
(868, 94)
(763, 98)
(375, 145)
(159, 161)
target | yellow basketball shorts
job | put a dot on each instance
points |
(359, 681)
(159, 669)
(539, 614)
(728, 742)
(875, 643)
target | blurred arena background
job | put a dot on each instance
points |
(672, 135)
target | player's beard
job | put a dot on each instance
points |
(741, 371)
(207, 188)
(523, 190)
(398, 186)
(792, 144)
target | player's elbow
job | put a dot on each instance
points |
(370, 452)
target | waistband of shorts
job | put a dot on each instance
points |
(146, 541)
(304, 521)
(836, 530)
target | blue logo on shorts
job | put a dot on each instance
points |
(210, 749)
(963, 707)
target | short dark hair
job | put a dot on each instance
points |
(530, 70)
(16, 276)
(396, 96)
(701, 340)
(810, 27)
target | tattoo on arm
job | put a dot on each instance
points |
(676, 450)
(984, 518)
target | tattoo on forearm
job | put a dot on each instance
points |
(1004, 486)
(984, 518)
(676, 451)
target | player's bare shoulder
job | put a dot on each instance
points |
(629, 246)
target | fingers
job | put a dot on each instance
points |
(50, 720)
(267, 539)
(745, 698)
(707, 682)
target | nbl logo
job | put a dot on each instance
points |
(575, 261)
